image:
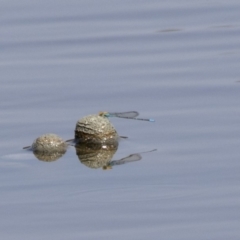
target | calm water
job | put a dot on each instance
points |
(175, 61)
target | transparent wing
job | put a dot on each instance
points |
(72, 142)
(131, 114)
(131, 158)
(127, 115)
(27, 147)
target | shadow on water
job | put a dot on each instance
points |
(102, 157)
(92, 156)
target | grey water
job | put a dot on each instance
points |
(174, 61)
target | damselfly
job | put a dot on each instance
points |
(131, 158)
(127, 115)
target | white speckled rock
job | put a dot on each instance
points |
(95, 128)
(49, 143)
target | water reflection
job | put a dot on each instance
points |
(95, 158)
(91, 155)
(96, 155)
(131, 158)
(48, 157)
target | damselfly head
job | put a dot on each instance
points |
(103, 114)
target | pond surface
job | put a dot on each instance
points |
(174, 61)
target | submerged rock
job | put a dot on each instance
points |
(95, 129)
(48, 147)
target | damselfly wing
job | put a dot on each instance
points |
(127, 115)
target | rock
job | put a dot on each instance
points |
(95, 129)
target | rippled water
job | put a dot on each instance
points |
(174, 61)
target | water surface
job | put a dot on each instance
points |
(175, 62)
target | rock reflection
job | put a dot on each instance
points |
(48, 157)
(96, 155)
(101, 157)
